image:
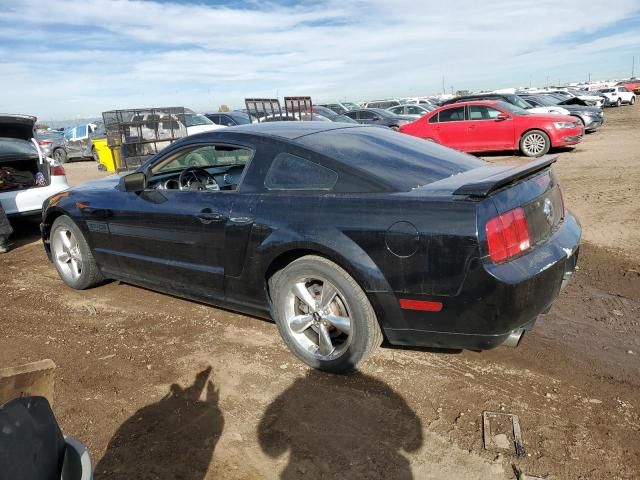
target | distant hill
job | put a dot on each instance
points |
(67, 123)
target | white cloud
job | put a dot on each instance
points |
(137, 53)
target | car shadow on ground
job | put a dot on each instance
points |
(341, 426)
(171, 439)
(25, 230)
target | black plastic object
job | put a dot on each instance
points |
(31, 444)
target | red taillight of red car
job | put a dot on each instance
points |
(58, 171)
(508, 235)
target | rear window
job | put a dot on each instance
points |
(290, 172)
(401, 162)
(10, 147)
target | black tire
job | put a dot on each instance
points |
(365, 334)
(94, 154)
(528, 138)
(633, 100)
(88, 275)
(60, 154)
(395, 128)
(619, 102)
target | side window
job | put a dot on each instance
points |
(68, 134)
(227, 121)
(455, 114)
(482, 112)
(208, 156)
(351, 114)
(214, 118)
(414, 110)
(364, 115)
(290, 172)
(434, 119)
(81, 131)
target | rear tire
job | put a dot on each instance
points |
(632, 101)
(72, 256)
(323, 315)
(619, 102)
(535, 143)
(60, 154)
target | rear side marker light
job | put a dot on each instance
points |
(58, 171)
(507, 235)
(421, 305)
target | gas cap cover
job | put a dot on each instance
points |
(402, 239)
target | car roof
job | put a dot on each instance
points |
(472, 102)
(289, 130)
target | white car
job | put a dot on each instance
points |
(27, 178)
(618, 95)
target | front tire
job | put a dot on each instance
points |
(632, 101)
(72, 256)
(619, 102)
(60, 155)
(535, 143)
(323, 315)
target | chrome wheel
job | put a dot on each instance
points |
(318, 318)
(66, 254)
(534, 144)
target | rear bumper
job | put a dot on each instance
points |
(29, 201)
(494, 300)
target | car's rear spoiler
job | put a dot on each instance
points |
(500, 176)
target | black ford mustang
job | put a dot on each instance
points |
(342, 234)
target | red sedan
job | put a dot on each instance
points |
(495, 125)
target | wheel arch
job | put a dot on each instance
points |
(51, 215)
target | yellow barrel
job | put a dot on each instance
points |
(104, 154)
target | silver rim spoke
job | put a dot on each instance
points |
(341, 323)
(303, 294)
(328, 294)
(300, 323)
(326, 346)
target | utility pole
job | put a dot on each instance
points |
(547, 80)
(589, 77)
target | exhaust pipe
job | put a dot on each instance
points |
(514, 338)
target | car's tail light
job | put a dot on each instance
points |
(44, 142)
(58, 171)
(507, 235)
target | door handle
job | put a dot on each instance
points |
(209, 217)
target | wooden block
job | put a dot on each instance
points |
(32, 379)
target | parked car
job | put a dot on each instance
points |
(27, 177)
(633, 85)
(618, 95)
(341, 234)
(574, 97)
(423, 101)
(341, 107)
(512, 99)
(384, 104)
(591, 117)
(331, 115)
(483, 126)
(229, 119)
(378, 116)
(52, 144)
(415, 111)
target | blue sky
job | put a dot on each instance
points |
(62, 59)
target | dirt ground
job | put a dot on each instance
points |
(159, 387)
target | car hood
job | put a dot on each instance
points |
(106, 183)
(560, 110)
(17, 126)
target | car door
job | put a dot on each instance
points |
(451, 129)
(176, 240)
(367, 117)
(488, 130)
(77, 144)
(71, 146)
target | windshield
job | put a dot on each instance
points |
(607, 90)
(350, 106)
(381, 112)
(16, 147)
(240, 117)
(194, 119)
(545, 100)
(327, 112)
(517, 101)
(343, 119)
(513, 108)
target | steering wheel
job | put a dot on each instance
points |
(197, 179)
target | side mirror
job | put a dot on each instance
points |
(502, 117)
(134, 182)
